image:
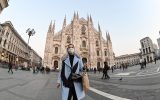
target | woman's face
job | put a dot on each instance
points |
(70, 49)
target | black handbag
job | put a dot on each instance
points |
(76, 77)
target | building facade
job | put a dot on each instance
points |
(12, 46)
(35, 59)
(129, 59)
(88, 42)
(158, 41)
(3, 4)
(147, 49)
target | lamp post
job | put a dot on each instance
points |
(30, 33)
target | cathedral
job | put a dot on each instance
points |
(88, 41)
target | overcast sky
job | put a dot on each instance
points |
(127, 21)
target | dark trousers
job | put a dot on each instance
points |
(105, 75)
(10, 69)
(72, 93)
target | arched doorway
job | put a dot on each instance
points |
(148, 59)
(151, 59)
(84, 60)
(98, 65)
(55, 64)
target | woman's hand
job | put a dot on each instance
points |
(58, 85)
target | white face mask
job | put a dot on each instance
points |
(71, 51)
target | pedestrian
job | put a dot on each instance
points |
(99, 69)
(107, 69)
(145, 63)
(155, 60)
(10, 66)
(123, 66)
(112, 69)
(69, 77)
(95, 70)
(104, 72)
(34, 69)
(141, 64)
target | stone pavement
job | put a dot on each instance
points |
(23, 85)
(137, 87)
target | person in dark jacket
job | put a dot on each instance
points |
(105, 71)
(10, 67)
(155, 60)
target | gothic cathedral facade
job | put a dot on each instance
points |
(88, 41)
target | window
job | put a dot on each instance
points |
(97, 44)
(56, 50)
(142, 44)
(68, 39)
(105, 53)
(4, 43)
(149, 50)
(7, 34)
(144, 51)
(83, 43)
(97, 52)
(83, 29)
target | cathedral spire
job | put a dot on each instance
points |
(99, 28)
(64, 22)
(50, 27)
(53, 27)
(109, 39)
(74, 17)
(91, 19)
(107, 35)
(77, 15)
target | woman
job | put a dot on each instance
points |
(69, 77)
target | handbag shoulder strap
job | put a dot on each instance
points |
(74, 68)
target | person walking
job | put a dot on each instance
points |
(10, 66)
(107, 68)
(155, 60)
(145, 63)
(112, 69)
(95, 70)
(69, 77)
(105, 71)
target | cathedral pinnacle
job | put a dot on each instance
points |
(77, 15)
(64, 22)
(99, 28)
(50, 27)
(91, 19)
(109, 39)
(53, 27)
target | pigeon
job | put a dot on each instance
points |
(120, 79)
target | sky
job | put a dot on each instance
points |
(127, 21)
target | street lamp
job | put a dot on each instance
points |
(30, 33)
